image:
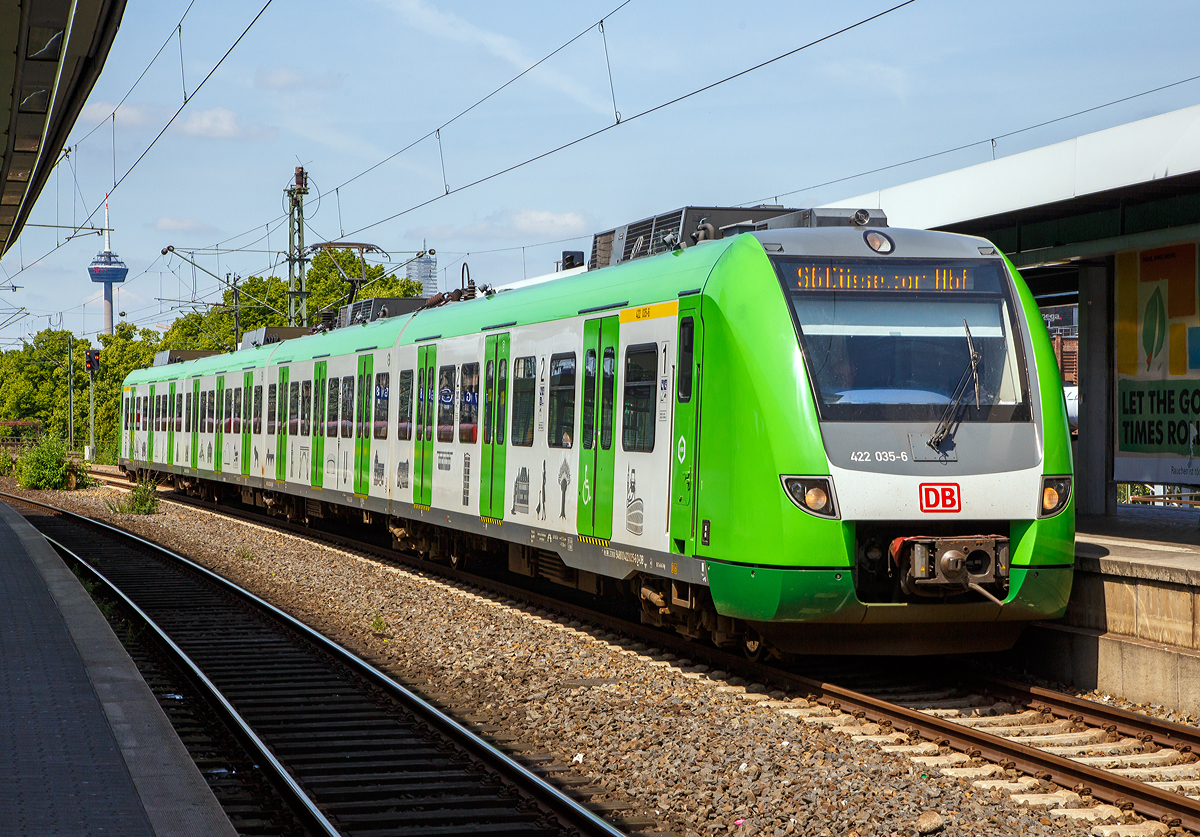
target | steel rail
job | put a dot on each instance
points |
(1147, 800)
(1122, 721)
(571, 813)
(279, 775)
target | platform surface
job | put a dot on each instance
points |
(84, 746)
(1151, 542)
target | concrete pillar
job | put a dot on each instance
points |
(1095, 491)
(108, 302)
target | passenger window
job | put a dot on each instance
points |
(468, 411)
(347, 407)
(501, 401)
(306, 408)
(212, 411)
(187, 414)
(246, 411)
(293, 417)
(608, 386)
(228, 414)
(641, 369)
(404, 420)
(196, 414)
(445, 410)
(587, 422)
(179, 412)
(489, 399)
(331, 416)
(524, 385)
(237, 410)
(258, 405)
(383, 394)
(683, 389)
(561, 422)
(283, 413)
(271, 389)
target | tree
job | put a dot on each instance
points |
(126, 349)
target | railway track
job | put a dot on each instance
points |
(1077, 758)
(352, 751)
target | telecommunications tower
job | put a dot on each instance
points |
(108, 268)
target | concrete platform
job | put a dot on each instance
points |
(1132, 627)
(84, 746)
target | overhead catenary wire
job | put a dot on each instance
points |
(973, 144)
(639, 115)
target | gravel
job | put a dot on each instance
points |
(676, 742)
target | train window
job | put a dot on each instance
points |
(524, 384)
(501, 400)
(187, 414)
(331, 414)
(683, 389)
(468, 410)
(608, 386)
(162, 412)
(404, 422)
(587, 428)
(641, 372)
(347, 407)
(179, 412)
(213, 406)
(199, 412)
(237, 410)
(489, 399)
(383, 394)
(445, 404)
(196, 413)
(271, 409)
(246, 410)
(137, 412)
(293, 406)
(318, 396)
(228, 415)
(257, 427)
(306, 406)
(561, 423)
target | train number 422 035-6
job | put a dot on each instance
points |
(878, 456)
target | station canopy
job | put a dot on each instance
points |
(51, 53)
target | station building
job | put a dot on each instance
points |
(1111, 221)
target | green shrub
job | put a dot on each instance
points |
(141, 499)
(108, 451)
(7, 464)
(44, 465)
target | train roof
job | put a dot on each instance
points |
(623, 285)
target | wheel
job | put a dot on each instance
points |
(458, 559)
(754, 647)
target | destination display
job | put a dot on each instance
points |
(888, 275)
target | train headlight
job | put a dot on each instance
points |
(1056, 491)
(812, 494)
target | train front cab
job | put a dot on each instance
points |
(799, 577)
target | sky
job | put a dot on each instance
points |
(341, 87)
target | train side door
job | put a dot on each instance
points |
(247, 407)
(362, 425)
(151, 421)
(281, 427)
(495, 425)
(170, 457)
(685, 445)
(219, 444)
(426, 419)
(320, 402)
(196, 423)
(596, 451)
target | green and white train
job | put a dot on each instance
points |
(817, 439)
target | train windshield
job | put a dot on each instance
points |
(887, 340)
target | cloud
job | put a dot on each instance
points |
(129, 116)
(450, 27)
(284, 78)
(532, 226)
(221, 123)
(187, 226)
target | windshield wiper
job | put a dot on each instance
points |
(969, 375)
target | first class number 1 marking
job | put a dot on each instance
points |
(879, 456)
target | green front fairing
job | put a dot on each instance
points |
(766, 594)
(762, 423)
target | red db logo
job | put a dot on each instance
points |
(940, 497)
